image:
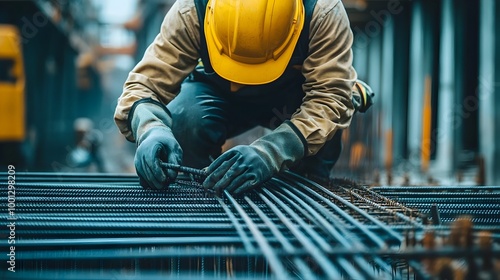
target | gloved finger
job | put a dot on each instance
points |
(144, 183)
(164, 177)
(233, 177)
(144, 179)
(139, 167)
(217, 174)
(171, 175)
(155, 176)
(246, 186)
(174, 158)
(238, 181)
(215, 165)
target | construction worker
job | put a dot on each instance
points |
(86, 154)
(220, 68)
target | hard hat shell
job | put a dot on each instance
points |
(251, 42)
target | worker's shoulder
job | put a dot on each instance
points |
(324, 7)
(186, 6)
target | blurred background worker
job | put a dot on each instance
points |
(285, 65)
(86, 155)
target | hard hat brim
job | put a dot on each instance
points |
(248, 74)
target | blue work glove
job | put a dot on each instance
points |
(245, 167)
(156, 143)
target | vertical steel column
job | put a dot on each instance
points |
(400, 84)
(375, 63)
(386, 93)
(447, 91)
(416, 88)
(360, 55)
(495, 165)
(489, 73)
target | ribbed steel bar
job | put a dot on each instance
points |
(308, 204)
(376, 240)
(481, 203)
(435, 189)
(239, 228)
(140, 232)
(442, 195)
(468, 206)
(66, 186)
(346, 265)
(73, 177)
(323, 261)
(158, 219)
(379, 262)
(274, 262)
(303, 268)
(136, 253)
(100, 275)
(449, 200)
(314, 217)
(121, 225)
(157, 241)
(407, 219)
(207, 251)
(393, 236)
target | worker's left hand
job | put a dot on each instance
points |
(238, 170)
(243, 168)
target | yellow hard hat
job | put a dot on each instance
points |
(251, 42)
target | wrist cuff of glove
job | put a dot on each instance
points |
(165, 131)
(299, 135)
(145, 114)
(281, 148)
(366, 95)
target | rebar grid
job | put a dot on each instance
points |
(482, 203)
(93, 226)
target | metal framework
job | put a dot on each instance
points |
(75, 226)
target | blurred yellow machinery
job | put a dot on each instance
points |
(12, 85)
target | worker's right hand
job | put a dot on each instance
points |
(157, 145)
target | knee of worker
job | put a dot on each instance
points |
(328, 155)
(197, 131)
(320, 165)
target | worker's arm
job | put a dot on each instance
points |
(166, 63)
(141, 114)
(330, 77)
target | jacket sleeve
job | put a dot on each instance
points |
(166, 63)
(329, 76)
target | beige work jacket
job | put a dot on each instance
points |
(329, 75)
